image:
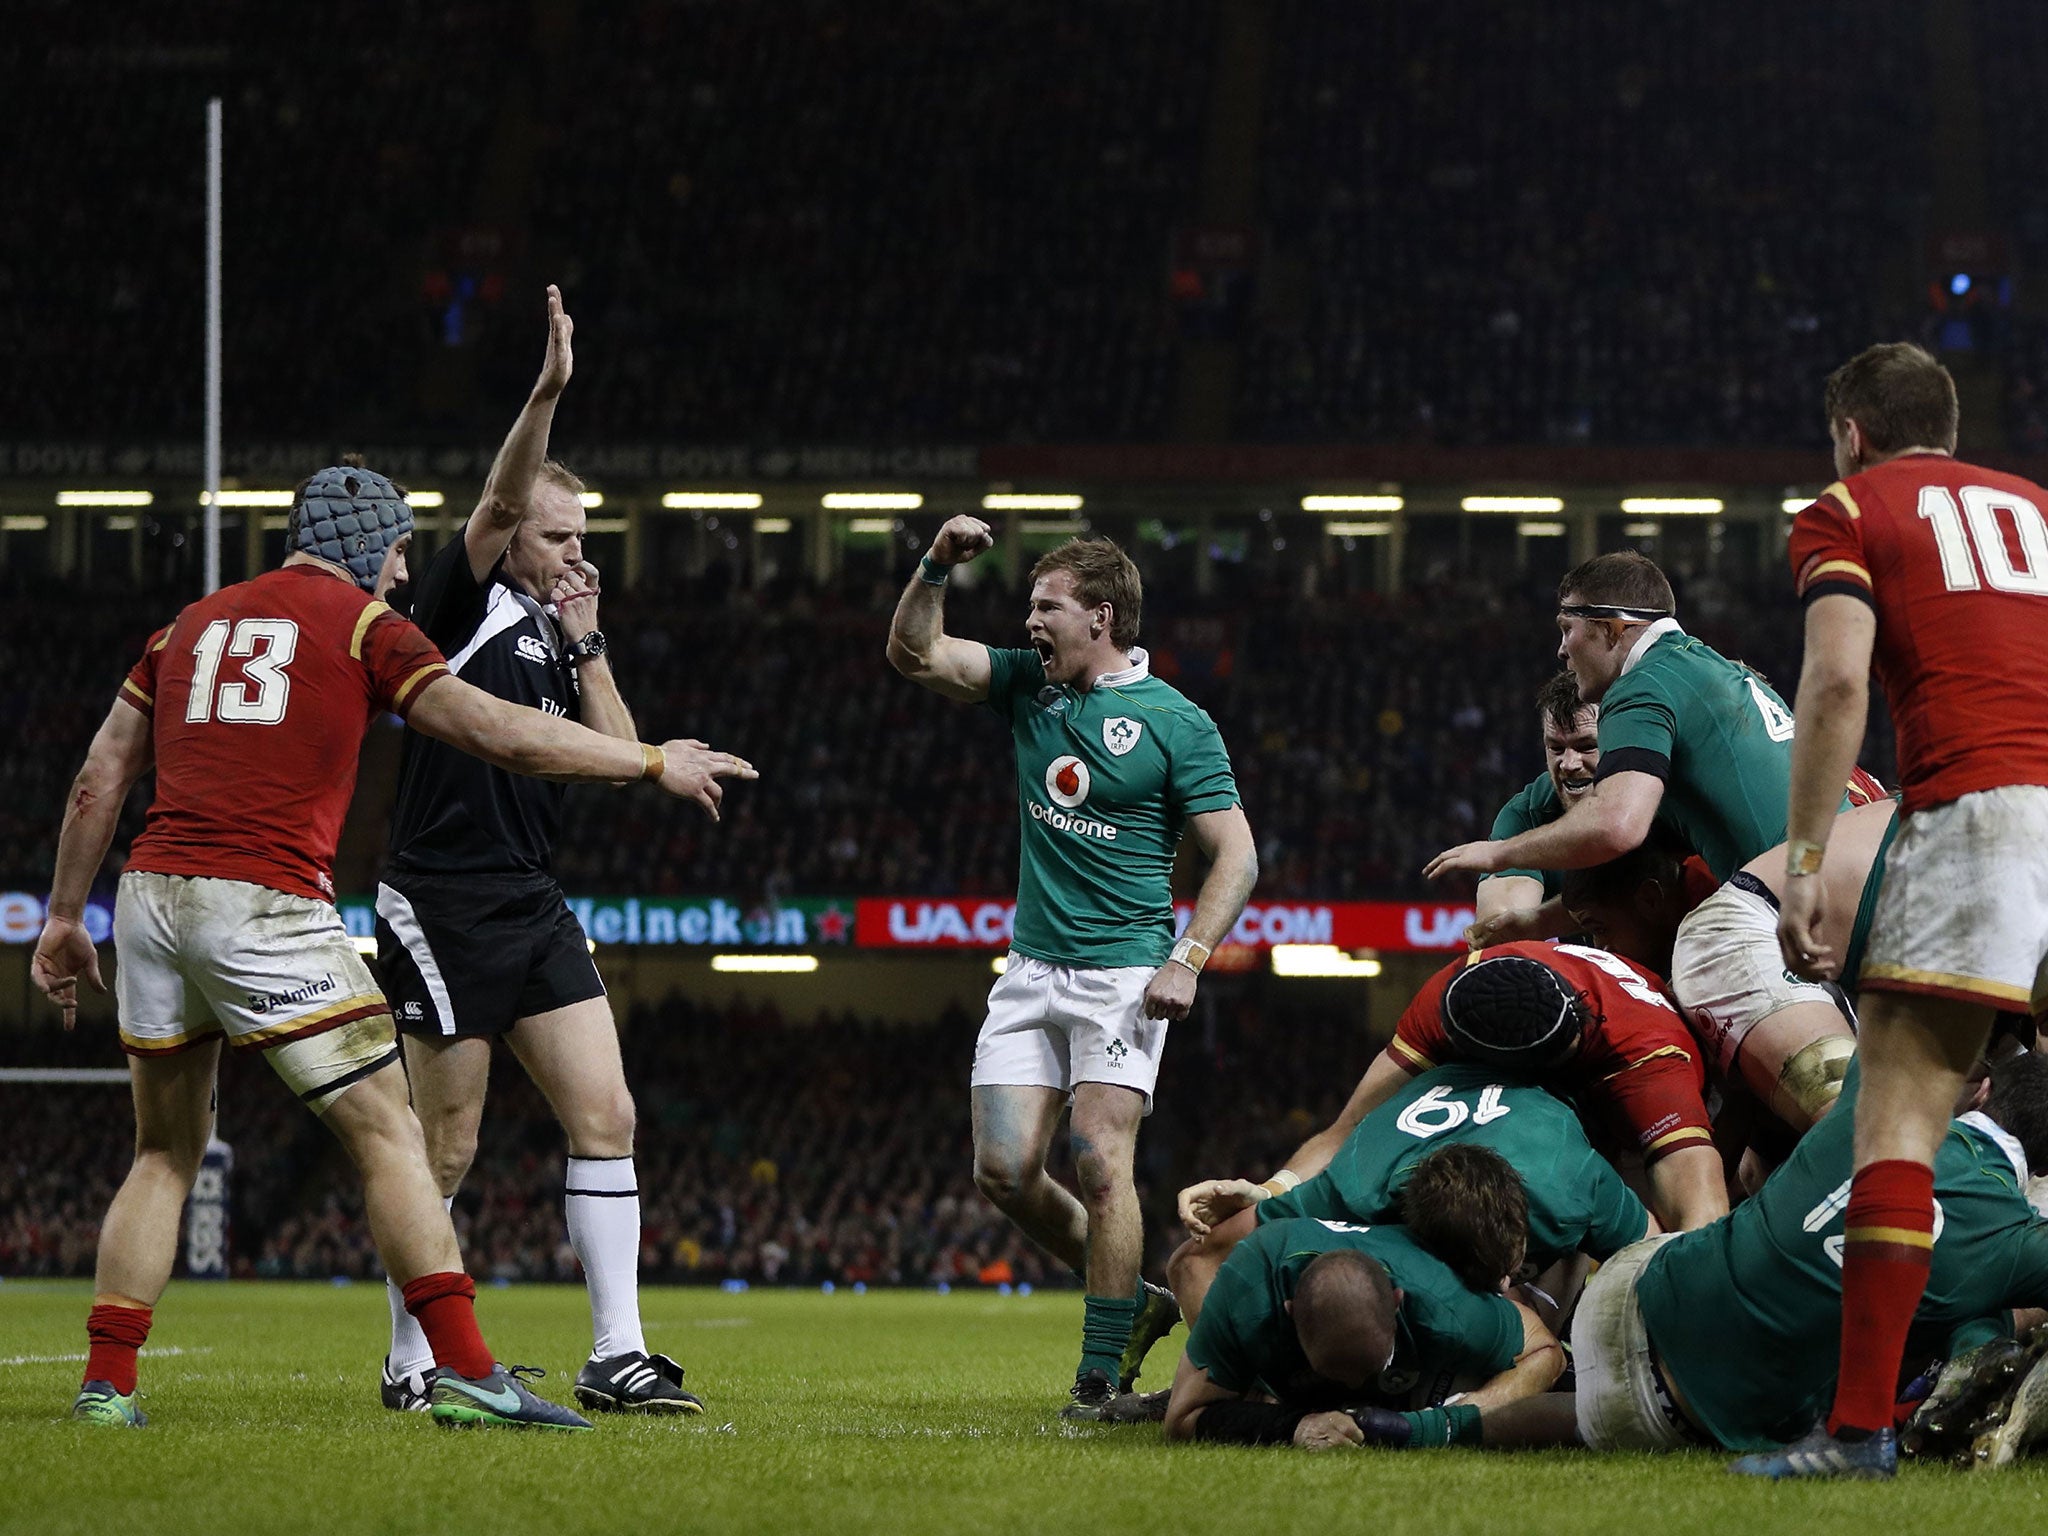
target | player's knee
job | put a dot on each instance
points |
(1183, 1264)
(450, 1139)
(1102, 1171)
(1001, 1174)
(603, 1126)
(171, 1155)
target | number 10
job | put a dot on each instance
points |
(1980, 542)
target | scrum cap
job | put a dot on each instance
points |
(1513, 1012)
(349, 516)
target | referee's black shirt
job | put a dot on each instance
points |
(457, 813)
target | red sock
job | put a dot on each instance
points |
(1887, 1250)
(445, 1304)
(116, 1334)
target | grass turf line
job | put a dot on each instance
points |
(889, 1412)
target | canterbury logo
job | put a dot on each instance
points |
(532, 649)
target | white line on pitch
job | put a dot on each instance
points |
(154, 1354)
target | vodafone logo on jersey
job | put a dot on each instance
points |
(1066, 780)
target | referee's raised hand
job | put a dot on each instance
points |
(560, 361)
(693, 770)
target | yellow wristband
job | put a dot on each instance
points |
(1802, 858)
(653, 763)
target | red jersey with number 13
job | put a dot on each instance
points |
(258, 698)
(1954, 558)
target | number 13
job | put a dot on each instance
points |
(279, 642)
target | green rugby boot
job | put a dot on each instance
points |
(501, 1399)
(99, 1403)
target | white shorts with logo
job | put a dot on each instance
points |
(1963, 911)
(1052, 1026)
(1729, 975)
(199, 958)
(1620, 1405)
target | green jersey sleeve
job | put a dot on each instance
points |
(1616, 1217)
(1535, 806)
(1217, 1343)
(1198, 773)
(1480, 1333)
(1637, 733)
(1011, 673)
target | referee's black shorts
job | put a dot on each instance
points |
(468, 955)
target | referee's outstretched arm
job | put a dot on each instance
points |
(508, 492)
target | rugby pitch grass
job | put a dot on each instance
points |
(885, 1412)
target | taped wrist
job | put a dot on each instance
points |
(1241, 1423)
(653, 763)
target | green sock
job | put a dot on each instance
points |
(1458, 1425)
(1105, 1330)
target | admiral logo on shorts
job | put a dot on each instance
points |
(268, 1002)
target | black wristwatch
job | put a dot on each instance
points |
(589, 647)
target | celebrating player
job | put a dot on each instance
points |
(1112, 766)
(1321, 1315)
(1683, 731)
(1940, 570)
(251, 706)
(475, 938)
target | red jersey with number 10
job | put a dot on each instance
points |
(258, 698)
(1954, 559)
(1637, 1077)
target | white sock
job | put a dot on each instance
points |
(603, 1199)
(410, 1353)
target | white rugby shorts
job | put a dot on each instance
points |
(1620, 1406)
(199, 958)
(1729, 975)
(1963, 912)
(1052, 1026)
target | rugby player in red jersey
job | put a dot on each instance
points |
(251, 705)
(1615, 1046)
(1938, 572)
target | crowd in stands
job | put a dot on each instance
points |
(858, 1168)
(1367, 733)
(955, 220)
(1657, 223)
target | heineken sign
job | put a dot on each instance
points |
(706, 922)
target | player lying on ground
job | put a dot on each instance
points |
(475, 938)
(1113, 766)
(1324, 1316)
(1577, 1202)
(1726, 1336)
(1604, 1035)
(1784, 1038)
(251, 706)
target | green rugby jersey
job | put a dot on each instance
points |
(1246, 1341)
(1745, 1313)
(1535, 805)
(1714, 732)
(1106, 781)
(1576, 1199)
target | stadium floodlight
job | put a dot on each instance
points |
(1357, 530)
(365, 944)
(252, 498)
(1064, 525)
(106, 498)
(1673, 506)
(605, 525)
(1794, 505)
(122, 523)
(1529, 530)
(427, 499)
(871, 525)
(1004, 501)
(771, 525)
(871, 501)
(590, 498)
(712, 501)
(1512, 504)
(1641, 530)
(24, 522)
(1321, 960)
(1353, 503)
(762, 965)
(1000, 965)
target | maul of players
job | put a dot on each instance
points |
(1113, 766)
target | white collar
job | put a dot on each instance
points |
(1650, 637)
(1139, 669)
(2008, 1143)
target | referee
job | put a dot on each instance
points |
(473, 934)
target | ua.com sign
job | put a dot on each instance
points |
(882, 922)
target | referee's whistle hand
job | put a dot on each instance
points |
(693, 770)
